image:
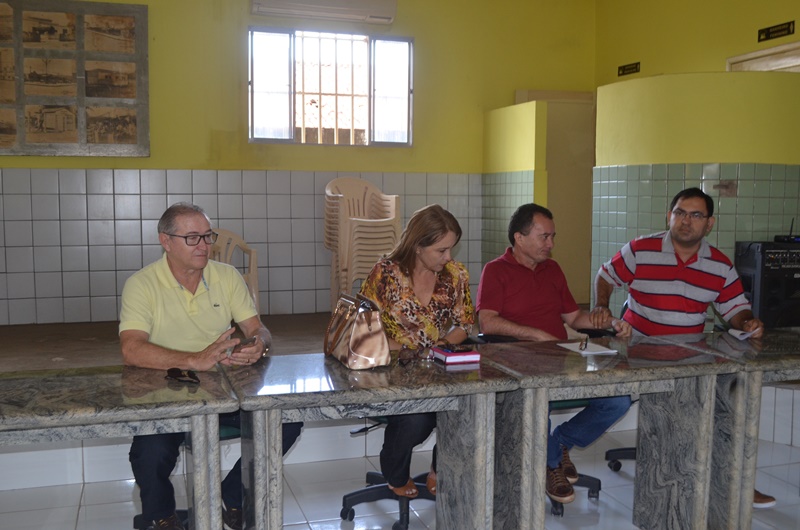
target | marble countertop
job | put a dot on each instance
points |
(96, 389)
(546, 364)
(303, 380)
(109, 394)
(778, 349)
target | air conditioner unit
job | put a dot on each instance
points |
(367, 11)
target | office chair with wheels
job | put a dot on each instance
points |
(376, 489)
(593, 484)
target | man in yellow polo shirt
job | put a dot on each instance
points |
(177, 313)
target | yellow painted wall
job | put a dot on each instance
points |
(556, 140)
(510, 137)
(570, 157)
(683, 36)
(715, 117)
(470, 57)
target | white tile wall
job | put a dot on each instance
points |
(41, 465)
(780, 414)
(86, 224)
(103, 460)
(782, 433)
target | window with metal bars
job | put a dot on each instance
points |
(329, 88)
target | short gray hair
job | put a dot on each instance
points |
(166, 225)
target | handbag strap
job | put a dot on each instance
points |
(344, 309)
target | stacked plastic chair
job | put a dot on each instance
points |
(361, 225)
(230, 248)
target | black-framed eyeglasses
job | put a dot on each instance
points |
(183, 376)
(694, 216)
(194, 239)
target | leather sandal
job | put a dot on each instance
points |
(409, 489)
(430, 482)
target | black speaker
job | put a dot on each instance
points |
(770, 274)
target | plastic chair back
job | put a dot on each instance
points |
(230, 248)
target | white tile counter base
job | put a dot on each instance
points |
(780, 414)
(101, 460)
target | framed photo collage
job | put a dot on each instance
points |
(73, 79)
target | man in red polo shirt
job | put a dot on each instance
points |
(673, 276)
(524, 294)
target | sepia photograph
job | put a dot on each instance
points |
(106, 33)
(8, 127)
(51, 124)
(6, 22)
(110, 79)
(73, 78)
(111, 125)
(54, 31)
(8, 90)
(50, 77)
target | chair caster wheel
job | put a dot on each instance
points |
(614, 465)
(557, 509)
(347, 515)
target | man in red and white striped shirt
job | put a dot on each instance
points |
(673, 276)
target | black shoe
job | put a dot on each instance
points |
(168, 523)
(232, 517)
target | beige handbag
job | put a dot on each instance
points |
(355, 334)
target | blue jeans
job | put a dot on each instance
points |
(586, 426)
(153, 457)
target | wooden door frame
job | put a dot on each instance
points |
(785, 57)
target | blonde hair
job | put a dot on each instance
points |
(427, 226)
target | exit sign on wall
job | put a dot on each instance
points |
(627, 69)
(774, 32)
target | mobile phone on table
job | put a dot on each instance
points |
(244, 343)
(457, 347)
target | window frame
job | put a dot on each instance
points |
(292, 93)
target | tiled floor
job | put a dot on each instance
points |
(313, 494)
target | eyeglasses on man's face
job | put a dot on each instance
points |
(194, 239)
(694, 216)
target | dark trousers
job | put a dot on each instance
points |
(402, 434)
(153, 457)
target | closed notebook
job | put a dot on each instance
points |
(455, 356)
(462, 367)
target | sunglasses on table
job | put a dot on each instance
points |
(408, 355)
(183, 376)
